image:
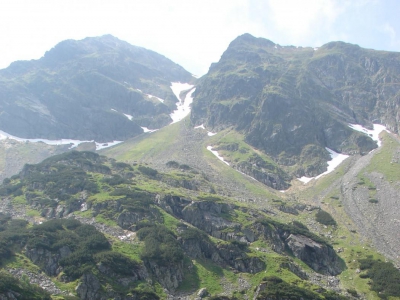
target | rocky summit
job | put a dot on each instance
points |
(293, 102)
(279, 181)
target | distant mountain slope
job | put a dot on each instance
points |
(293, 102)
(98, 88)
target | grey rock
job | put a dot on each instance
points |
(202, 292)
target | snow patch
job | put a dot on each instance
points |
(315, 49)
(211, 133)
(145, 130)
(209, 148)
(200, 126)
(178, 87)
(152, 96)
(73, 143)
(374, 133)
(129, 117)
(100, 146)
(336, 160)
(183, 108)
(113, 109)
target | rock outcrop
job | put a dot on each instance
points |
(47, 260)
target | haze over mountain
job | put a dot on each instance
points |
(293, 102)
(208, 205)
(95, 89)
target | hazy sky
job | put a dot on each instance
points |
(194, 33)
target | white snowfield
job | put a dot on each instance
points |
(145, 130)
(152, 96)
(209, 148)
(336, 160)
(183, 107)
(209, 133)
(100, 146)
(73, 143)
(374, 133)
(129, 117)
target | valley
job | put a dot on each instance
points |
(270, 177)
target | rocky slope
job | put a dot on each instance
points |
(159, 232)
(98, 88)
(292, 102)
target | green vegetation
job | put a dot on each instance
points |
(276, 288)
(160, 245)
(147, 171)
(21, 289)
(145, 146)
(382, 161)
(324, 218)
(385, 277)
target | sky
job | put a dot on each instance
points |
(195, 33)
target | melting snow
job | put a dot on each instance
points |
(217, 155)
(145, 129)
(374, 133)
(100, 146)
(336, 160)
(178, 87)
(128, 116)
(209, 133)
(183, 108)
(159, 99)
(75, 143)
(315, 49)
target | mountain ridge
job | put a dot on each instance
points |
(162, 217)
(287, 99)
(75, 90)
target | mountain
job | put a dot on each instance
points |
(99, 88)
(211, 206)
(293, 102)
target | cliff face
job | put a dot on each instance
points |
(288, 101)
(213, 218)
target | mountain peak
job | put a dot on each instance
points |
(248, 39)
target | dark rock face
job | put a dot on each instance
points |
(168, 276)
(208, 216)
(82, 89)
(319, 257)
(48, 260)
(293, 102)
(205, 215)
(222, 254)
(90, 288)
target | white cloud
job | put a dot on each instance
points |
(391, 32)
(298, 20)
(192, 33)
